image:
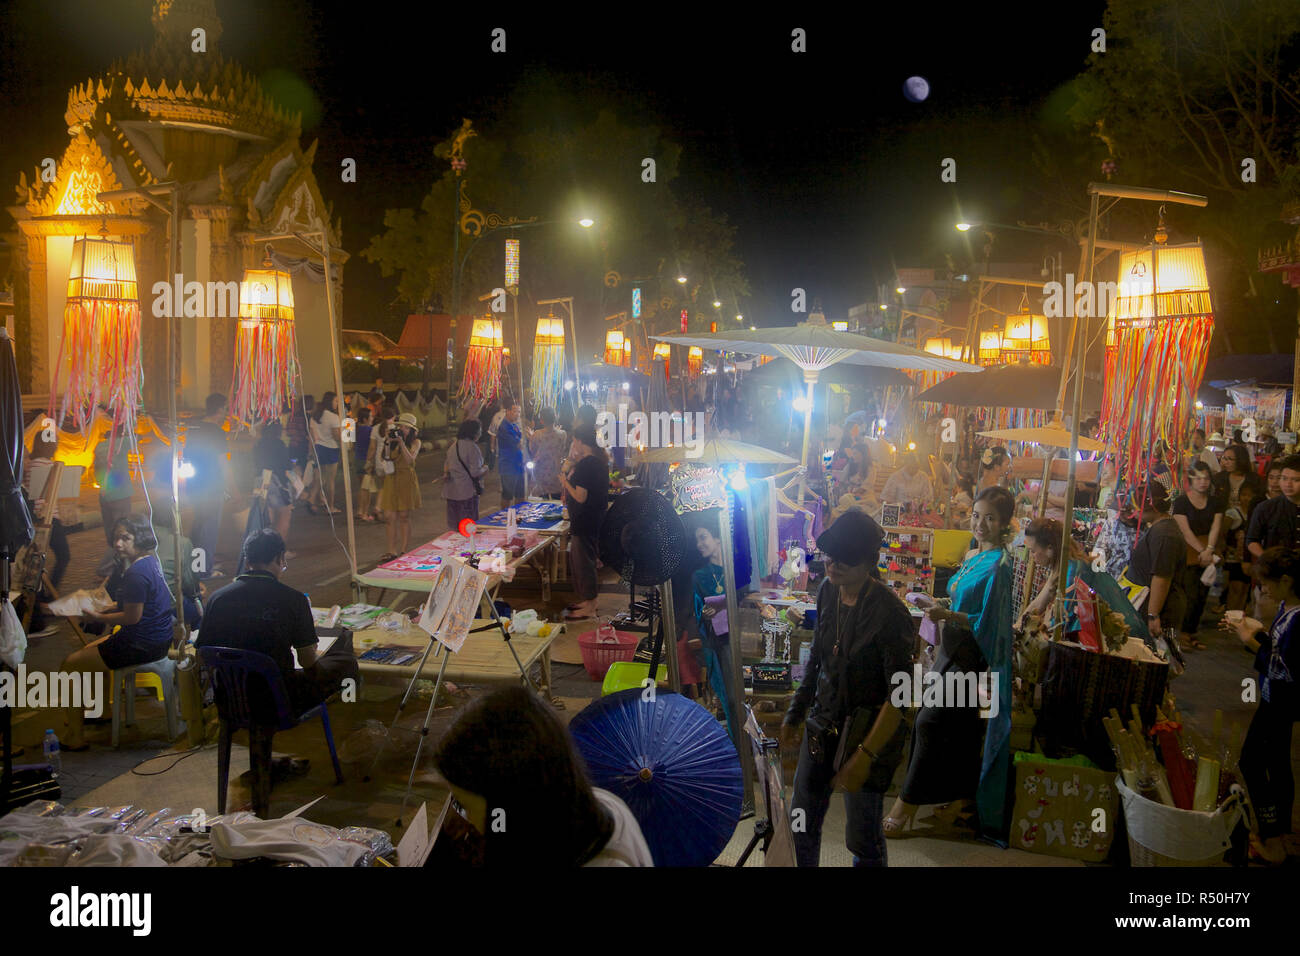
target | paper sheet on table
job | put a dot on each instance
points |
(323, 644)
(81, 601)
(719, 621)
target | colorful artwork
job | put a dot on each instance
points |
(453, 604)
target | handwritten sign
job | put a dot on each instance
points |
(698, 488)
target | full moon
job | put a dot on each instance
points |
(916, 88)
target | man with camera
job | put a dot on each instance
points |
(853, 736)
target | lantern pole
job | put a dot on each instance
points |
(323, 250)
(1096, 191)
(173, 210)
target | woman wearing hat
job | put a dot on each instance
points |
(864, 637)
(400, 493)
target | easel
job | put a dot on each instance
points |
(437, 686)
(765, 749)
(35, 573)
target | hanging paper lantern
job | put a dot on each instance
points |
(266, 362)
(990, 347)
(695, 361)
(938, 346)
(101, 334)
(614, 347)
(1027, 339)
(482, 379)
(663, 352)
(1156, 348)
(628, 354)
(548, 362)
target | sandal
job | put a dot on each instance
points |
(1198, 645)
(369, 518)
(385, 558)
(896, 826)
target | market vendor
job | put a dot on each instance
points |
(959, 755)
(708, 584)
(909, 485)
(585, 481)
(864, 637)
(1043, 537)
(142, 622)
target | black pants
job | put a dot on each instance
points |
(1196, 595)
(59, 545)
(1266, 767)
(582, 564)
(313, 685)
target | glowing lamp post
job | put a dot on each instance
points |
(266, 364)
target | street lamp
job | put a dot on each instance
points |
(681, 280)
(963, 227)
(586, 222)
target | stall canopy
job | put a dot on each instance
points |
(782, 373)
(1012, 386)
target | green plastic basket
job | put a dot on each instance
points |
(624, 675)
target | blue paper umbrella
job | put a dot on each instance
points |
(674, 766)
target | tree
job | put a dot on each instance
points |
(1185, 93)
(558, 150)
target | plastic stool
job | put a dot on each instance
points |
(150, 681)
(124, 683)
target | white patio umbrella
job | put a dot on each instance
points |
(814, 347)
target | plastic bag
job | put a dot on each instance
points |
(13, 640)
(520, 622)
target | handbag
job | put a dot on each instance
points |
(856, 727)
(478, 485)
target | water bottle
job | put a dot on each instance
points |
(52, 755)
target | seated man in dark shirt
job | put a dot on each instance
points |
(257, 613)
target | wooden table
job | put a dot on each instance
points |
(535, 555)
(484, 657)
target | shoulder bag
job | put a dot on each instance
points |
(478, 485)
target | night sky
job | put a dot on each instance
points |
(830, 173)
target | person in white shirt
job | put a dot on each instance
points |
(325, 430)
(513, 770)
(909, 485)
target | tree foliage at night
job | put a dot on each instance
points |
(1184, 93)
(544, 155)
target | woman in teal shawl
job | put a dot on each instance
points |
(709, 582)
(1043, 538)
(959, 754)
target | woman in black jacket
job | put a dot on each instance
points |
(864, 637)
